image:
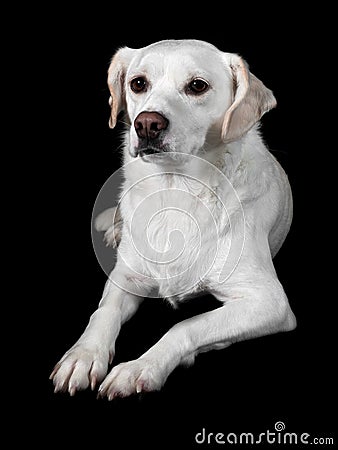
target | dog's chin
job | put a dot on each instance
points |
(156, 158)
(150, 151)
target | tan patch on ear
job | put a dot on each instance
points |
(116, 75)
(240, 77)
(251, 100)
(114, 110)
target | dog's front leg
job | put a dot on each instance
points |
(254, 312)
(87, 361)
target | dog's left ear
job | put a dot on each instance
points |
(116, 76)
(251, 99)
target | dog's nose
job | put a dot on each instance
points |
(150, 124)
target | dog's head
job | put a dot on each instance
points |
(179, 94)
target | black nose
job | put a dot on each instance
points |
(148, 125)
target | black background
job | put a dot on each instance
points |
(251, 385)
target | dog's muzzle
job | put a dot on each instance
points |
(149, 127)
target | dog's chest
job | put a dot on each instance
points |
(175, 232)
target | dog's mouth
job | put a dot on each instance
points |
(151, 150)
(159, 154)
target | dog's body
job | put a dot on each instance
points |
(202, 172)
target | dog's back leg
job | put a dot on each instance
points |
(110, 221)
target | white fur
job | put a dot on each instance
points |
(219, 128)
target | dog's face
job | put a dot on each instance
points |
(182, 95)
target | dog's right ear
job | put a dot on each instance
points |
(116, 75)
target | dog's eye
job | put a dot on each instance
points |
(197, 86)
(138, 84)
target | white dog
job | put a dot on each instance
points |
(204, 208)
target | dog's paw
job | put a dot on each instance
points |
(104, 220)
(111, 222)
(80, 367)
(112, 236)
(132, 377)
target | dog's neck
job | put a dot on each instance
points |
(227, 168)
(226, 157)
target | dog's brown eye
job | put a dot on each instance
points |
(197, 86)
(138, 84)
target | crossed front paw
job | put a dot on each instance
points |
(132, 377)
(80, 367)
